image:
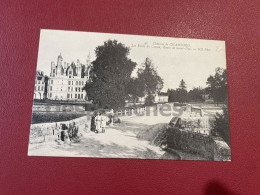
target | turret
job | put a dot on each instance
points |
(65, 66)
(53, 69)
(59, 65)
(78, 68)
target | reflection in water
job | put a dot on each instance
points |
(57, 108)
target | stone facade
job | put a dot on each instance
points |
(39, 87)
(158, 98)
(66, 80)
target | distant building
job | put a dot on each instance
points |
(39, 87)
(207, 98)
(66, 80)
(161, 98)
(158, 98)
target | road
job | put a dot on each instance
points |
(119, 141)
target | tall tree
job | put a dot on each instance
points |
(171, 95)
(151, 82)
(217, 85)
(182, 85)
(181, 92)
(135, 89)
(111, 73)
(220, 125)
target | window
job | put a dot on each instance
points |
(69, 82)
(71, 88)
(50, 88)
(39, 88)
(70, 72)
(72, 82)
(51, 81)
(50, 94)
(53, 70)
(76, 88)
(42, 88)
(68, 95)
(75, 95)
(81, 96)
(76, 82)
(39, 82)
(68, 88)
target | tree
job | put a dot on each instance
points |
(171, 95)
(149, 81)
(182, 85)
(110, 75)
(196, 94)
(217, 85)
(220, 125)
(181, 92)
(135, 89)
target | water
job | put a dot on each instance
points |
(46, 107)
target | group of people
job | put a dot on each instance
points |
(68, 133)
(99, 123)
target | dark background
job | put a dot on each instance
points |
(235, 21)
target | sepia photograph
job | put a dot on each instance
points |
(104, 95)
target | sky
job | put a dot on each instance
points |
(193, 60)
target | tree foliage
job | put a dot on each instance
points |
(135, 89)
(149, 81)
(217, 85)
(196, 94)
(220, 125)
(182, 85)
(110, 76)
(178, 95)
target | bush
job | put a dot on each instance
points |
(220, 125)
(153, 132)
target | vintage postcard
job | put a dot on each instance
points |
(129, 96)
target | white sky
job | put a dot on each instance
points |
(172, 64)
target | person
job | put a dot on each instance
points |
(75, 130)
(112, 117)
(98, 122)
(66, 137)
(103, 123)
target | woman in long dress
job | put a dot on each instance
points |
(98, 122)
(103, 123)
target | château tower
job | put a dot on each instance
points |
(59, 65)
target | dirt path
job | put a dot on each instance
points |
(119, 141)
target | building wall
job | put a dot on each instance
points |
(161, 98)
(157, 99)
(66, 81)
(64, 88)
(39, 86)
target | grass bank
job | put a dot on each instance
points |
(48, 117)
